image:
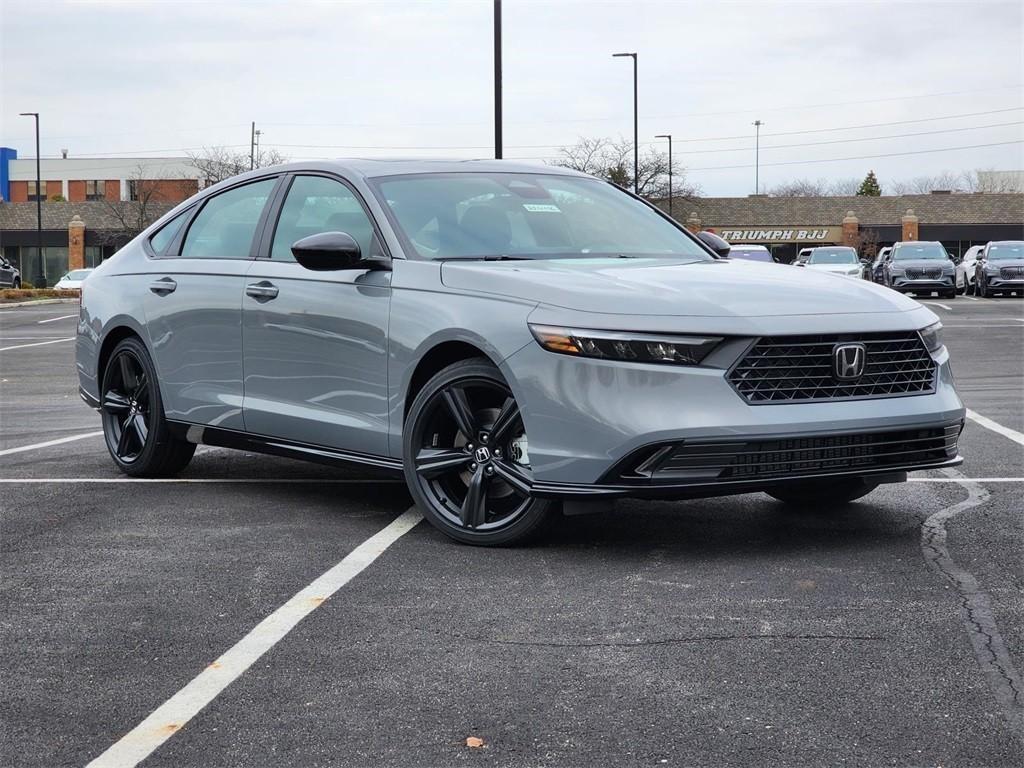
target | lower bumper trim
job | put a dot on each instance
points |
(720, 488)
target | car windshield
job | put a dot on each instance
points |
(751, 254)
(833, 256)
(918, 251)
(524, 215)
(998, 251)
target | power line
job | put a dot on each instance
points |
(863, 157)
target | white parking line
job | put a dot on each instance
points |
(966, 480)
(970, 298)
(48, 443)
(169, 717)
(986, 422)
(41, 343)
(55, 319)
(938, 304)
(229, 480)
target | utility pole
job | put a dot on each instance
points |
(636, 133)
(757, 152)
(40, 277)
(257, 160)
(252, 146)
(669, 137)
(498, 150)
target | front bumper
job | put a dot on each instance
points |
(945, 283)
(585, 417)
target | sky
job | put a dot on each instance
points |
(836, 84)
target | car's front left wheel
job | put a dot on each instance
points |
(136, 432)
(467, 460)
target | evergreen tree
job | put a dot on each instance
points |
(869, 187)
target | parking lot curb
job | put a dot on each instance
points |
(38, 302)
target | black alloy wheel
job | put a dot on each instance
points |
(467, 457)
(126, 406)
(136, 432)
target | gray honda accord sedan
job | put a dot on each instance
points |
(513, 339)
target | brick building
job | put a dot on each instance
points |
(786, 224)
(102, 200)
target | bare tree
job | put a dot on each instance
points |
(800, 188)
(922, 185)
(613, 160)
(147, 201)
(843, 187)
(218, 163)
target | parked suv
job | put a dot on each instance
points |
(834, 259)
(511, 339)
(965, 272)
(877, 268)
(1000, 268)
(9, 274)
(921, 267)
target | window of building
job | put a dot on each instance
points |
(95, 190)
(36, 191)
(225, 227)
(133, 189)
(316, 204)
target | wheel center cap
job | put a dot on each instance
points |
(482, 454)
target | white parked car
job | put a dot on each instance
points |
(965, 269)
(836, 259)
(72, 281)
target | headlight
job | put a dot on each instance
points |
(932, 337)
(633, 347)
(896, 270)
(856, 271)
(991, 270)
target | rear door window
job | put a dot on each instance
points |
(226, 225)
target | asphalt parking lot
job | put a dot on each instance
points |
(716, 632)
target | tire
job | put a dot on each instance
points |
(134, 426)
(980, 289)
(443, 464)
(830, 492)
(950, 294)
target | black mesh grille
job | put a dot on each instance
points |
(706, 460)
(924, 273)
(1012, 273)
(786, 369)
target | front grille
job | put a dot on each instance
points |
(924, 273)
(1011, 273)
(787, 369)
(731, 460)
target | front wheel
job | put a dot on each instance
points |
(136, 432)
(823, 493)
(467, 460)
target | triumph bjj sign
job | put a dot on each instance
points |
(787, 235)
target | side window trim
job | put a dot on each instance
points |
(174, 250)
(281, 195)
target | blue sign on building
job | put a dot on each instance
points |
(6, 155)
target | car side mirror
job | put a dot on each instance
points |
(715, 243)
(327, 251)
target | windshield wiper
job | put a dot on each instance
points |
(487, 257)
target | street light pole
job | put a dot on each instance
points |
(252, 146)
(636, 133)
(669, 137)
(498, 151)
(257, 156)
(757, 152)
(40, 279)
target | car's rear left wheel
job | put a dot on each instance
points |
(137, 434)
(466, 458)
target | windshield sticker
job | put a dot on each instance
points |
(542, 208)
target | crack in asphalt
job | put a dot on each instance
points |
(989, 648)
(643, 643)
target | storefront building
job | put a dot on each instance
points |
(786, 224)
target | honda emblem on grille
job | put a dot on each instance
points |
(848, 361)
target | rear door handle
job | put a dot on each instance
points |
(163, 286)
(261, 291)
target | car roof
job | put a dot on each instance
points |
(377, 167)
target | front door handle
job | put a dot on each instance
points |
(163, 286)
(261, 291)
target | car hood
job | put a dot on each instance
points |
(993, 263)
(719, 288)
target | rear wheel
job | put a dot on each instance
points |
(136, 432)
(823, 492)
(466, 458)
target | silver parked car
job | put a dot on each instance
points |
(1000, 268)
(511, 338)
(921, 267)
